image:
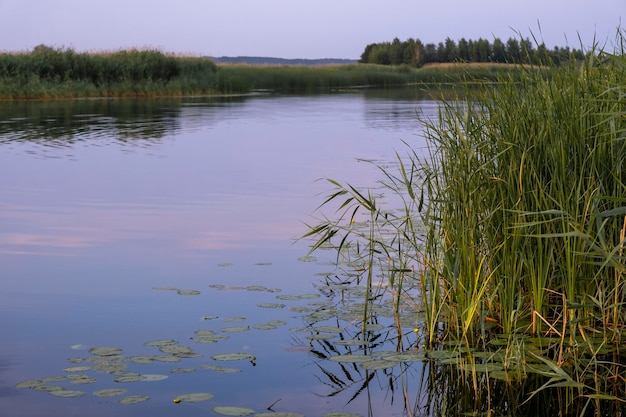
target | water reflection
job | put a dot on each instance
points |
(105, 199)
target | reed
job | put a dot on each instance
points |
(517, 221)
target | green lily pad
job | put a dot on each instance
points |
(351, 358)
(128, 378)
(182, 370)
(328, 329)
(134, 399)
(77, 369)
(195, 397)
(30, 384)
(220, 369)
(105, 351)
(161, 342)
(82, 380)
(109, 392)
(66, 393)
(378, 364)
(141, 359)
(233, 357)
(235, 329)
(271, 305)
(255, 288)
(188, 292)
(233, 411)
(153, 377)
(265, 327)
(175, 349)
(48, 388)
(233, 319)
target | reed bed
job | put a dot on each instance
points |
(53, 73)
(511, 237)
(47, 73)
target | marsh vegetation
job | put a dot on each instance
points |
(508, 232)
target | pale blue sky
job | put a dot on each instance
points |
(295, 28)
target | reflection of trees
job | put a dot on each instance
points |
(64, 123)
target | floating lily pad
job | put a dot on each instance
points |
(195, 397)
(77, 369)
(134, 399)
(105, 351)
(30, 384)
(232, 319)
(48, 388)
(161, 342)
(321, 336)
(182, 370)
(153, 377)
(67, 393)
(271, 305)
(350, 358)
(265, 327)
(235, 329)
(128, 378)
(210, 317)
(166, 358)
(109, 367)
(82, 380)
(141, 359)
(378, 364)
(263, 263)
(351, 342)
(308, 258)
(220, 369)
(255, 288)
(175, 349)
(233, 357)
(233, 411)
(109, 392)
(328, 329)
(225, 264)
(188, 292)
(277, 322)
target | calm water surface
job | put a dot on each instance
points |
(106, 204)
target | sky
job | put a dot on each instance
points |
(297, 28)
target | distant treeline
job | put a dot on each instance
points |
(414, 53)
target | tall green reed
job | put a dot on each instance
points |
(520, 209)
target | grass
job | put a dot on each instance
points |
(515, 227)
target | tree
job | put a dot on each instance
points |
(451, 52)
(498, 51)
(463, 50)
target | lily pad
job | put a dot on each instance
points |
(166, 358)
(141, 359)
(328, 329)
(195, 397)
(30, 384)
(153, 377)
(255, 288)
(220, 369)
(378, 364)
(77, 369)
(161, 342)
(109, 392)
(350, 358)
(233, 411)
(265, 327)
(82, 380)
(134, 399)
(182, 370)
(188, 292)
(105, 351)
(175, 349)
(129, 378)
(235, 329)
(67, 393)
(233, 357)
(232, 319)
(271, 305)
